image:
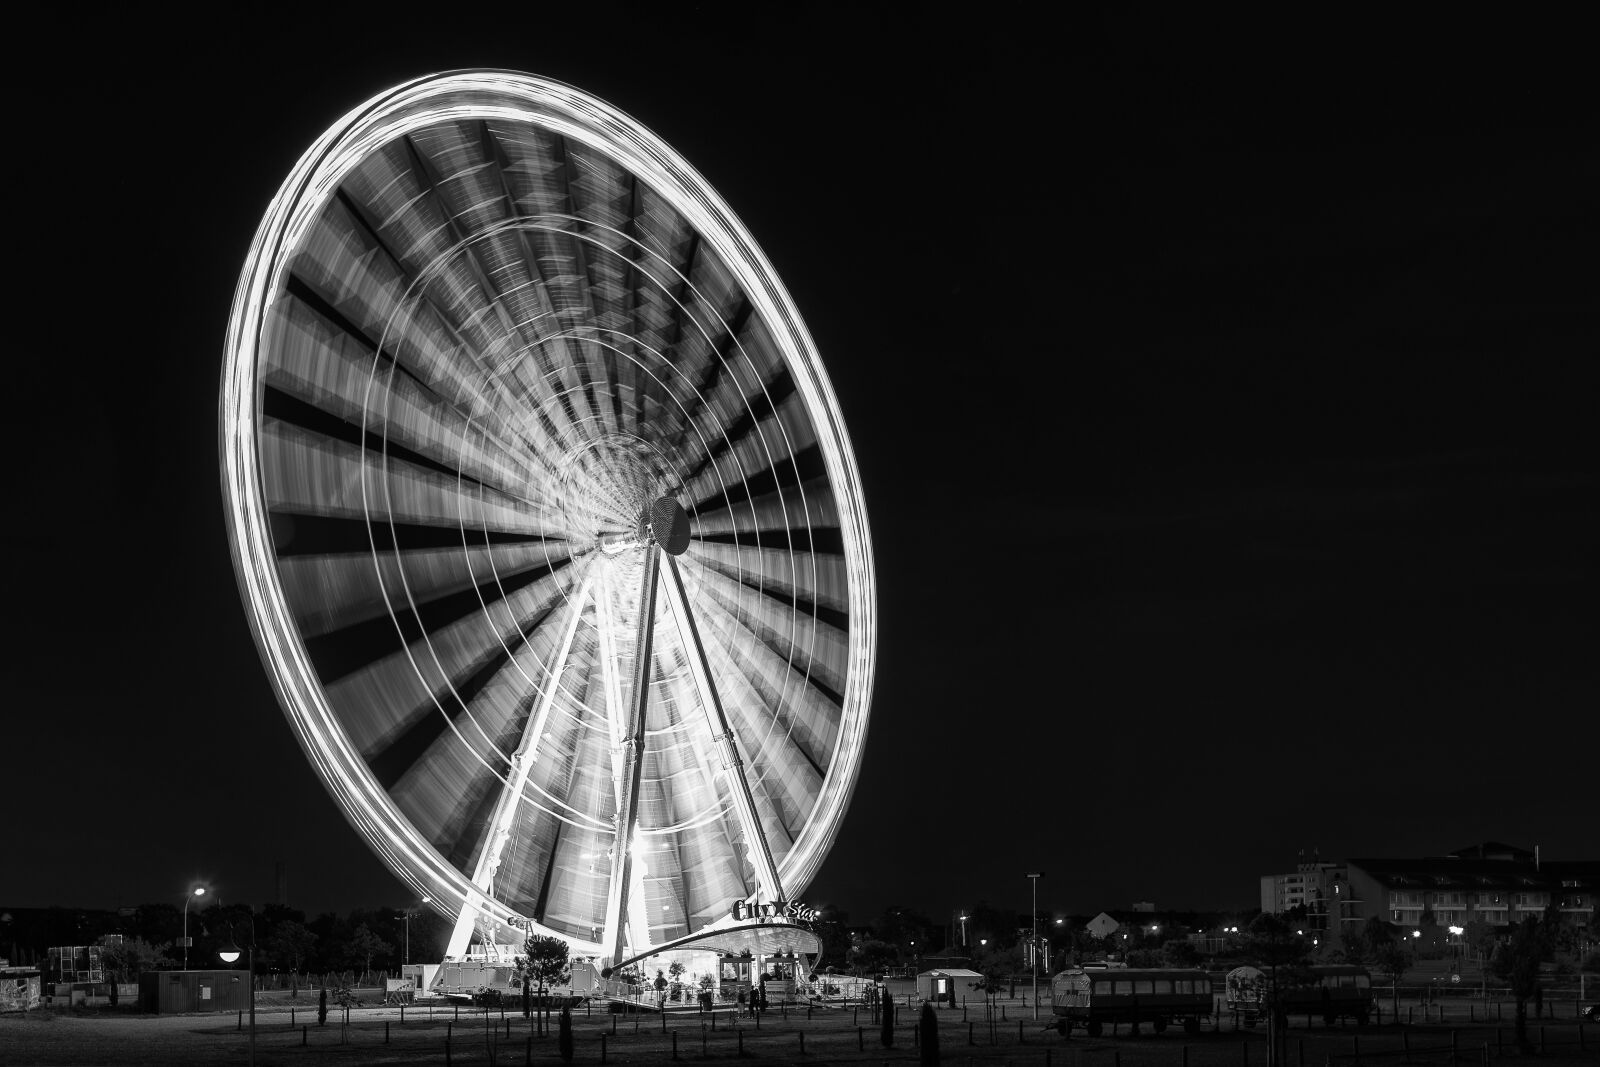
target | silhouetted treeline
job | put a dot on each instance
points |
(365, 939)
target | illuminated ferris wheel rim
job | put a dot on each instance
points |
(549, 105)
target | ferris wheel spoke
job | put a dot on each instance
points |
(316, 475)
(402, 215)
(467, 176)
(787, 507)
(784, 472)
(408, 697)
(515, 260)
(366, 641)
(759, 411)
(319, 375)
(332, 592)
(810, 645)
(348, 288)
(293, 411)
(808, 715)
(794, 577)
(297, 534)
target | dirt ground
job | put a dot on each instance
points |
(380, 1036)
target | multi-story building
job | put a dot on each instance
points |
(1312, 886)
(1491, 883)
(1285, 892)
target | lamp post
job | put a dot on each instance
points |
(199, 891)
(229, 953)
(407, 916)
(1033, 949)
(963, 929)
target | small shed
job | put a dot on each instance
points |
(166, 992)
(950, 985)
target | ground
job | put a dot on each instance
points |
(836, 1036)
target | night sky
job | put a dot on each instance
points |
(1224, 395)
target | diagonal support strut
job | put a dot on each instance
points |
(717, 720)
(632, 760)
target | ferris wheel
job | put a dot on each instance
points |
(545, 517)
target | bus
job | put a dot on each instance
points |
(1094, 997)
(1333, 991)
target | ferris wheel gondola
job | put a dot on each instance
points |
(545, 517)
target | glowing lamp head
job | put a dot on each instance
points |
(229, 953)
(199, 890)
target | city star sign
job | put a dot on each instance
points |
(792, 910)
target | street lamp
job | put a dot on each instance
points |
(963, 929)
(1033, 949)
(229, 953)
(407, 916)
(199, 891)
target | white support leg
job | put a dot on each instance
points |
(622, 875)
(743, 801)
(522, 760)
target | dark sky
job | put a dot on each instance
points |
(1224, 396)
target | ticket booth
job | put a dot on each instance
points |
(734, 976)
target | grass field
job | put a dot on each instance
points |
(380, 1036)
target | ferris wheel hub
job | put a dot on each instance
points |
(668, 525)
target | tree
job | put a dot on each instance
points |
(1482, 938)
(125, 962)
(545, 964)
(831, 928)
(903, 927)
(1516, 962)
(998, 926)
(1271, 943)
(874, 957)
(1394, 959)
(996, 964)
(928, 1038)
(564, 1039)
(1180, 954)
(365, 944)
(291, 945)
(1352, 946)
(887, 1035)
(675, 971)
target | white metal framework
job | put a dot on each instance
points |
(545, 517)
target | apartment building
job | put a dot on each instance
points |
(1492, 883)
